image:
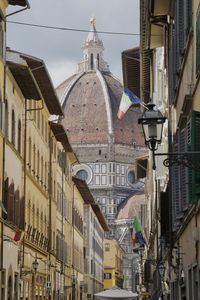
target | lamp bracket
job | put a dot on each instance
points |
(190, 160)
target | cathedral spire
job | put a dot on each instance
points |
(93, 52)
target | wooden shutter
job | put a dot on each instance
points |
(16, 208)
(11, 202)
(22, 213)
(195, 146)
(198, 43)
(175, 190)
(5, 196)
(164, 210)
(183, 172)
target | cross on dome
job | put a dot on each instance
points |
(93, 52)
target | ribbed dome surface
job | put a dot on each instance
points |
(91, 98)
(90, 101)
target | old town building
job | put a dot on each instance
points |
(169, 66)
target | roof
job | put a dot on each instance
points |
(96, 96)
(18, 2)
(33, 79)
(88, 199)
(61, 135)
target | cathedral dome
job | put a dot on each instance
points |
(90, 100)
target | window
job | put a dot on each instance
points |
(131, 177)
(19, 137)
(6, 119)
(123, 170)
(13, 128)
(1, 38)
(91, 61)
(97, 168)
(82, 174)
(97, 180)
(107, 247)
(98, 61)
(103, 180)
(107, 276)
(103, 168)
(34, 154)
(103, 201)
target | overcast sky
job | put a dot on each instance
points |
(61, 50)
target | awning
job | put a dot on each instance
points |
(61, 135)
(115, 293)
(18, 2)
(33, 79)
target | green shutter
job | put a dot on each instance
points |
(198, 43)
(194, 145)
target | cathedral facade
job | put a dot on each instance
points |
(107, 148)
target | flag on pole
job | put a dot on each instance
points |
(138, 232)
(128, 99)
(133, 238)
(19, 236)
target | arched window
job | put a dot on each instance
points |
(13, 128)
(91, 61)
(33, 215)
(38, 219)
(29, 212)
(42, 225)
(16, 208)
(11, 202)
(19, 136)
(98, 61)
(45, 225)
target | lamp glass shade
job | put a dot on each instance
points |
(161, 269)
(152, 123)
(35, 264)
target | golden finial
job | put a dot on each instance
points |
(93, 21)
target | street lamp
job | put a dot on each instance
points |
(152, 122)
(35, 265)
(161, 269)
